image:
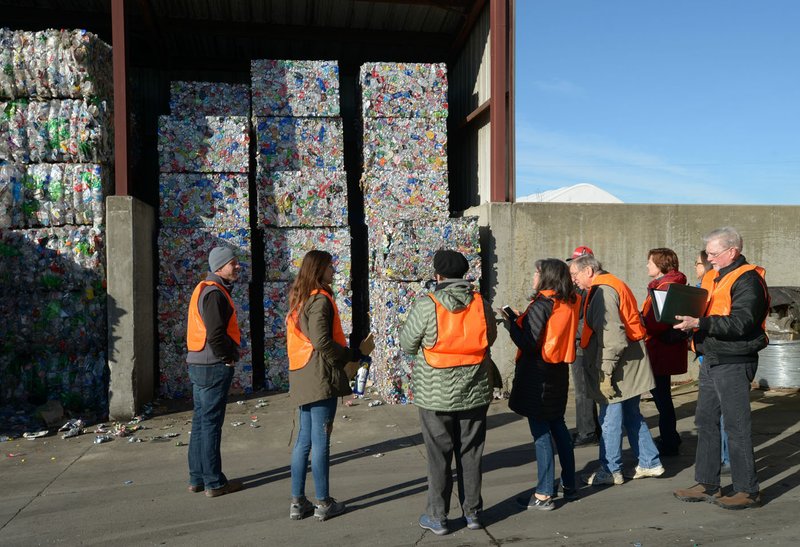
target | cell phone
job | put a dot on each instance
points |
(509, 312)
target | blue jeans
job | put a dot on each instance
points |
(210, 385)
(723, 438)
(545, 433)
(725, 391)
(612, 418)
(314, 436)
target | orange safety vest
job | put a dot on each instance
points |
(559, 332)
(719, 294)
(461, 336)
(628, 310)
(298, 345)
(196, 329)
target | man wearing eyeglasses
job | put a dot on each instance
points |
(729, 337)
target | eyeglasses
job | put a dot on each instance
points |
(715, 255)
(699, 264)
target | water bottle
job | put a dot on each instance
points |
(361, 376)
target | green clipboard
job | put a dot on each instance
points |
(678, 300)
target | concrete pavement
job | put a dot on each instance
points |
(74, 492)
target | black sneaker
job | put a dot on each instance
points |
(535, 503)
(584, 440)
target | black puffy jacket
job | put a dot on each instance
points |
(739, 336)
(539, 389)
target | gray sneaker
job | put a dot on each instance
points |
(300, 509)
(328, 509)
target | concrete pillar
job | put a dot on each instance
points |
(130, 226)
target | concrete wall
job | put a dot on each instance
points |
(130, 227)
(514, 235)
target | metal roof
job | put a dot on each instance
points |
(216, 33)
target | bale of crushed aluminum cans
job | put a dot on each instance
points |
(403, 250)
(276, 307)
(403, 90)
(54, 258)
(307, 198)
(276, 364)
(284, 250)
(390, 303)
(77, 379)
(173, 305)
(204, 200)
(70, 321)
(409, 144)
(183, 253)
(209, 99)
(294, 144)
(54, 64)
(397, 195)
(295, 88)
(52, 194)
(205, 144)
(5, 155)
(61, 130)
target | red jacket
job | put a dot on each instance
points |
(668, 353)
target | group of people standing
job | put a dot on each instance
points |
(579, 313)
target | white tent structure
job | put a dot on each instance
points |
(578, 193)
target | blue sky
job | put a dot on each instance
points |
(679, 101)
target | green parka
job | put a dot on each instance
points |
(323, 377)
(445, 389)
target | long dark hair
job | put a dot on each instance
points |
(312, 270)
(554, 276)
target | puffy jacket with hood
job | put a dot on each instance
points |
(446, 389)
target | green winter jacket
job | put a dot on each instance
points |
(445, 389)
(323, 377)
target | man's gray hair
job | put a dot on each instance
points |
(586, 261)
(727, 236)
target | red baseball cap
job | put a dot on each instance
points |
(580, 251)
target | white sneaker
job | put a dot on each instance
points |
(601, 476)
(643, 472)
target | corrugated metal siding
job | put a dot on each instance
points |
(469, 150)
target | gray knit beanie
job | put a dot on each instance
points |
(218, 257)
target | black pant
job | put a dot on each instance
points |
(662, 395)
(463, 433)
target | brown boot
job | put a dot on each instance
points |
(229, 488)
(740, 500)
(699, 492)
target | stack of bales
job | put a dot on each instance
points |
(404, 110)
(302, 189)
(55, 155)
(204, 159)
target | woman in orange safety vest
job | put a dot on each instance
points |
(318, 352)
(545, 338)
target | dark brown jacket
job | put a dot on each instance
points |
(323, 377)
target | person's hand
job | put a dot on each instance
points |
(687, 323)
(606, 388)
(367, 345)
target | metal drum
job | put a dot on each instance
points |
(779, 365)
